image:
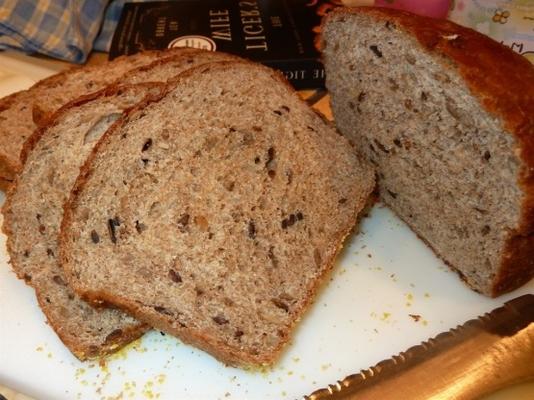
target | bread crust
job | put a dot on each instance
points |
(219, 349)
(509, 96)
(8, 168)
(112, 344)
(5, 184)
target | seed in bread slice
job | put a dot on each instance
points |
(447, 116)
(218, 208)
(33, 212)
(22, 112)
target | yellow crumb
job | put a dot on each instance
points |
(79, 372)
(324, 367)
(385, 316)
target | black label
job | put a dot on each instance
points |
(283, 34)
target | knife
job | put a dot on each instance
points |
(477, 358)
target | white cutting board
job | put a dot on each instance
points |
(362, 316)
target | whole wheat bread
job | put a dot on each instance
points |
(33, 212)
(447, 116)
(34, 208)
(22, 112)
(214, 212)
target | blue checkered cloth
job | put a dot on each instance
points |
(64, 29)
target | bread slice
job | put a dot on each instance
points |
(447, 116)
(22, 112)
(214, 212)
(33, 212)
(34, 207)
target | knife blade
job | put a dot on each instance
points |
(474, 359)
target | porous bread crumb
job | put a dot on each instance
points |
(240, 211)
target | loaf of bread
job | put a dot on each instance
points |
(214, 212)
(447, 116)
(52, 157)
(22, 112)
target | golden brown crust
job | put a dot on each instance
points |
(503, 82)
(6, 175)
(5, 184)
(517, 265)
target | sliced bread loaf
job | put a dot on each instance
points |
(33, 212)
(447, 116)
(34, 207)
(22, 112)
(214, 212)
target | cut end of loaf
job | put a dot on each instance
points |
(224, 211)
(445, 164)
